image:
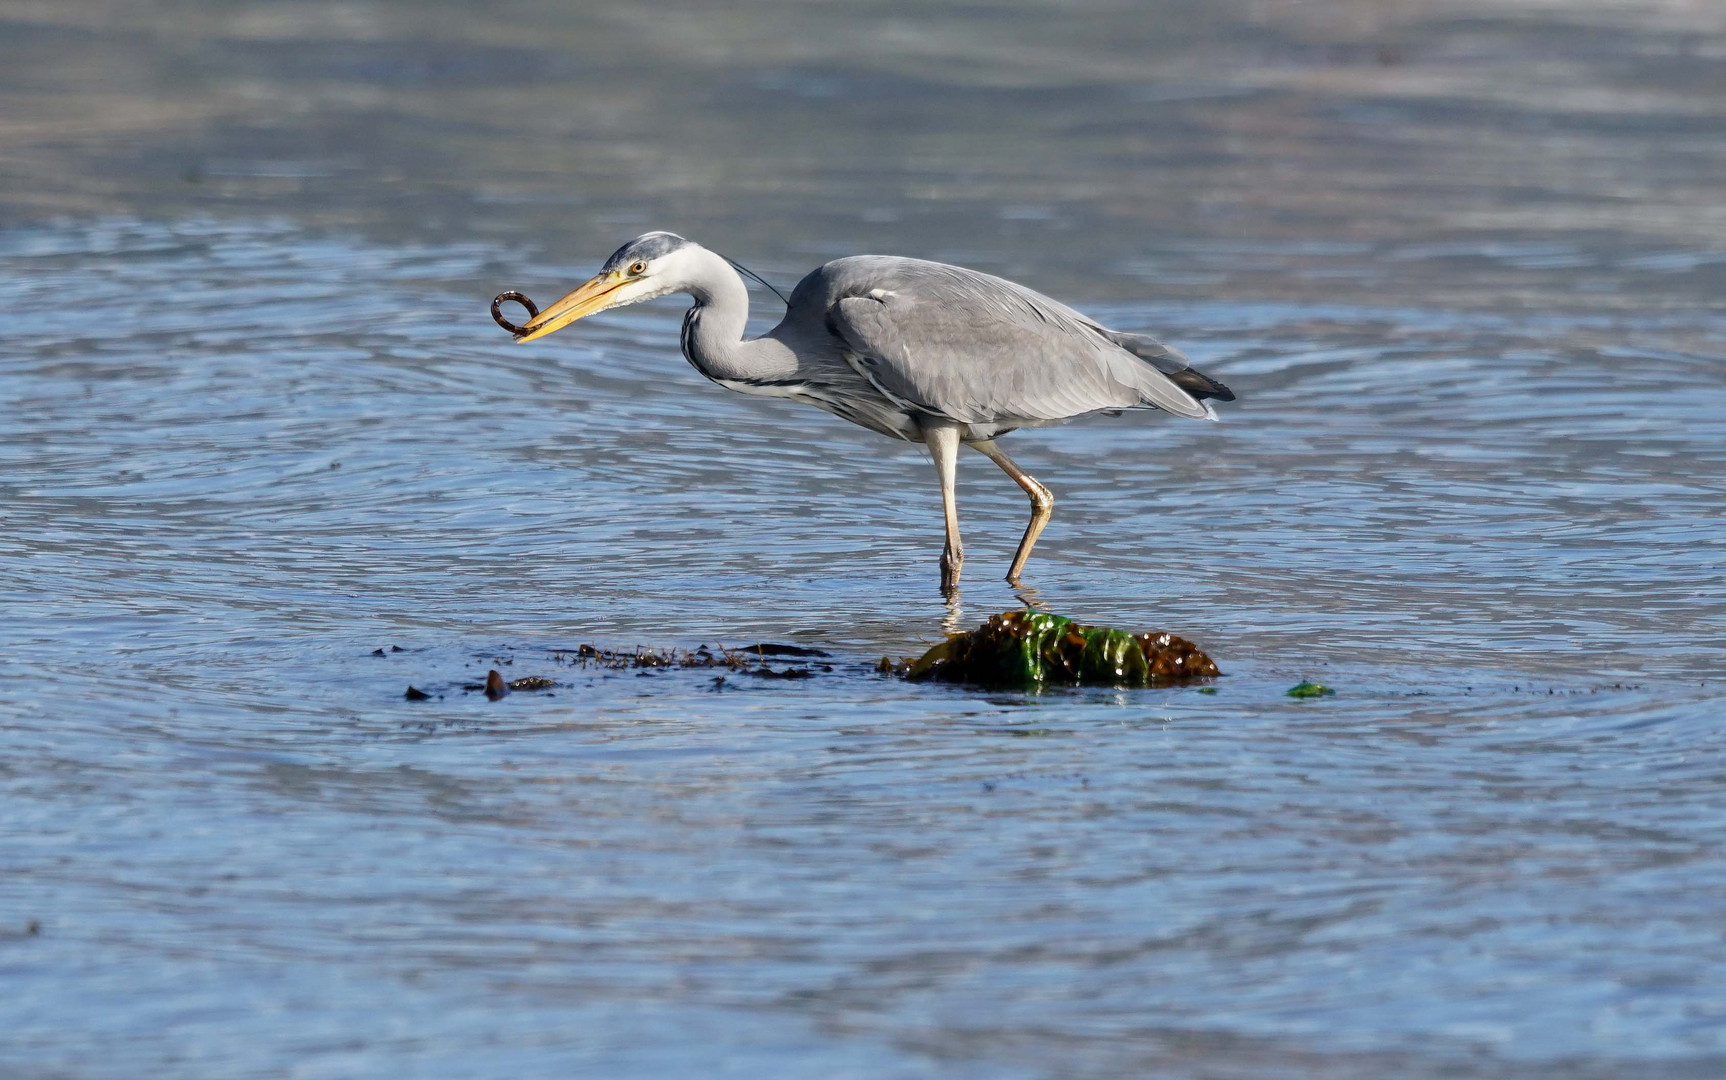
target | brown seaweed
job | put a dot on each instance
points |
(750, 659)
(1030, 649)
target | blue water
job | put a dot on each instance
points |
(1473, 482)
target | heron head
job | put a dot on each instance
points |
(642, 269)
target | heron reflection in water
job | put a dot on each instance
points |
(921, 351)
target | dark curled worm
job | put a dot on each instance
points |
(497, 310)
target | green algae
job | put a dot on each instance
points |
(1310, 690)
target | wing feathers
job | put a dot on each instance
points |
(1171, 362)
(977, 349)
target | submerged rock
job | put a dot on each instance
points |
(1032, 648)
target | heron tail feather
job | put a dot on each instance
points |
(1171, 362)
(1200, 385)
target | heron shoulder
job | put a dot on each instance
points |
(937, 292)
(854, 275)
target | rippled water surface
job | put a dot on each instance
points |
(1461, 262)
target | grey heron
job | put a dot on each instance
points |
(915, 350)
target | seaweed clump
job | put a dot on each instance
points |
(1030, 649)
(747, 659)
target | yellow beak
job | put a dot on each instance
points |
(591, 296)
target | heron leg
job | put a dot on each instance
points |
(1042, 503)
(943, 442)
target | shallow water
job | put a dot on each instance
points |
(256, 431)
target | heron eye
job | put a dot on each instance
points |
(638, 268)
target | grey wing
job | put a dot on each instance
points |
(980, 350)
(1171, 362)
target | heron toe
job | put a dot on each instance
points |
(952, 559)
